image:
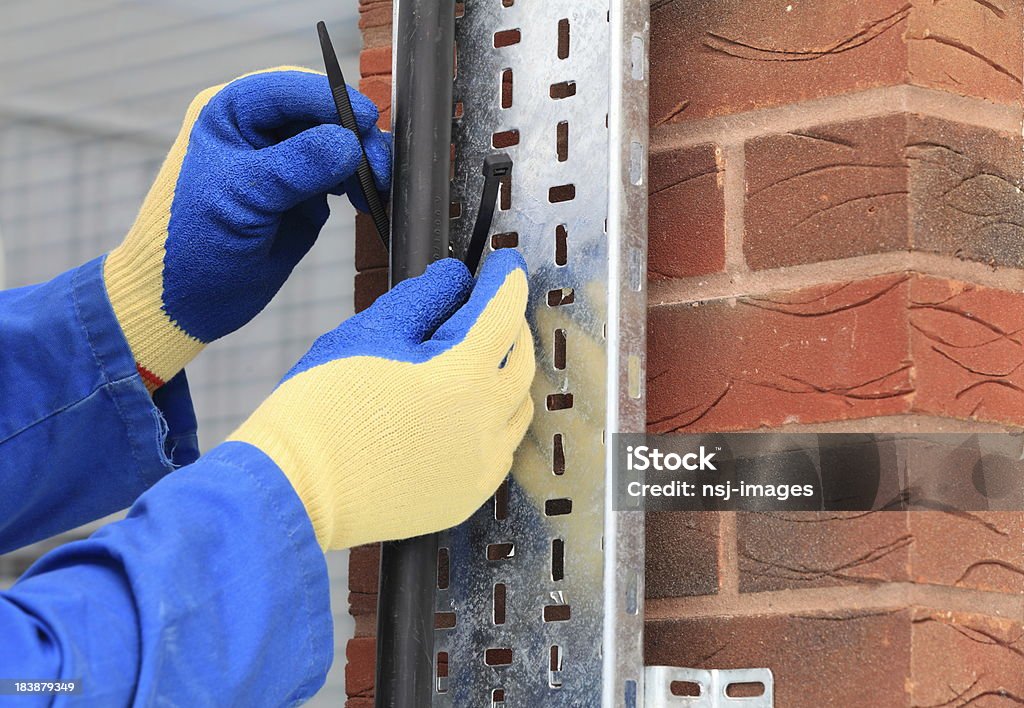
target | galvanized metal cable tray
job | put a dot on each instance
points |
(540, 593)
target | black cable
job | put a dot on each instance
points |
(420, 196)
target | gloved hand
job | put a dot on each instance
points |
(239, 200)
(403, 420)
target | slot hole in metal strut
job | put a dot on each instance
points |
(561, 296)
(745, 689)
(500, 551)
(557, 454)
(563, 89)
(563, 38)
(557, 559)
(501, 502)
(505, 139)
(685, 688)
(506, 38)
(562, 140)
(498, 656)
(559, 353)
(506, 88)
(562, 193)
(557, 613)
(561, 245)
(557, 507)
(443, 565)
(505, 193)
(559, 401)
(499, 603)
(441, 672)
(555, 667)
(509, 239)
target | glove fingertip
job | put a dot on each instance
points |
(453, 270)
(366, 112)
(505, 267)
(502, 262)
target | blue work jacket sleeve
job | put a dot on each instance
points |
(80, 437)
(212, 592)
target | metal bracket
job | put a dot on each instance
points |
(711, 687)
(540, 593)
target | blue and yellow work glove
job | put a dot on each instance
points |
(403, 420)
(239, 201)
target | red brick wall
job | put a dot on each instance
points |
(836, 243)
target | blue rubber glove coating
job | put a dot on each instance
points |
(251, 197)
(419, 318)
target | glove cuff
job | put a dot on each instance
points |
(133, 274)
(304, 469)
(352, 477)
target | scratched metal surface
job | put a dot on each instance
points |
(569, 632)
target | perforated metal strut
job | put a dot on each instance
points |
(539, 594)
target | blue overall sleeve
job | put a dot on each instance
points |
(212, 592)
(80, 437)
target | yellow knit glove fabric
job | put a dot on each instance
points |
(386, 433)
(133, 272)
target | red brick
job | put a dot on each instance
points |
(378, 90)
(961, 660)
(370, 252)
(832, 352)
(682, 554)
(369, 284)
(808, 550)
(376, 60)
(687, 213)
(988, 555)
(832, 192)
(966, 191)
(883, 184)
(364, 568)
(363, 607)
(841, 658)
(711, 57)
(374, 13)
(363, 577)
(361, 655)
(968, 47)
(967, 346)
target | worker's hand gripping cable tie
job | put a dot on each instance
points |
(495, 166)
(238, 202)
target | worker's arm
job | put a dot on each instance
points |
(214, 591)
(80, 436)
(239, 200)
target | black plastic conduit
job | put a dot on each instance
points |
(422, 120)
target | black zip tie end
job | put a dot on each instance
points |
(495, 167)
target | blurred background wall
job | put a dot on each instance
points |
(91, 97)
